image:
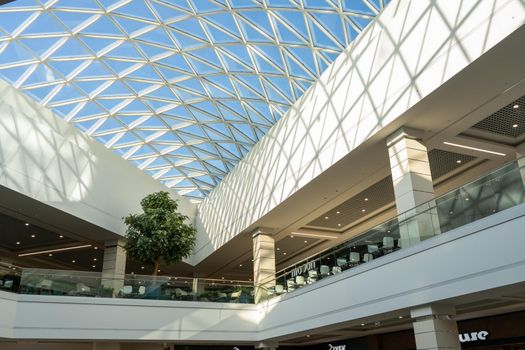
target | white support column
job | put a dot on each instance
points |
(435, 327)
(412, 182)
(263, 262)
(114, 267)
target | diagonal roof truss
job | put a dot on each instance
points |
(183, 89)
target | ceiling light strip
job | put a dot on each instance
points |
(475, 149)
(56, 250)
(314, 235)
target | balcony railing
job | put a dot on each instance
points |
(95, 284)
(492, 193)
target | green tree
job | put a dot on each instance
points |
(159, 233)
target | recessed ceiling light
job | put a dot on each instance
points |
(516, 106)
(308, 336)
(366, 199)
(515, 126)
(458, 161)
(291, 236)
(60, 236)
(338, 212)
(339, 225)
(50, 254)
(363, 210)
(158, 270)
(362, 324)
(95, 247)
(27, 224)
(467, 199)
(326, 217)
(284, 253)
(94, 259)
(17, 243)
(93, 266)
(305, 241)
(142, 267)
(278, 248)
(33, 236)
(400, 316)
(240, 265)
(73, 261)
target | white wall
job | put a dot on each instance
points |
(411, 49)
(46, 158)
(476, 257)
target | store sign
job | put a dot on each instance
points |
(336, 347)
(299, 270)
(473, 336)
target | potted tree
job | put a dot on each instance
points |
(159, 233)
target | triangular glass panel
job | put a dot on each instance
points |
(43, 24)
(125, 50)
(258, 19)
(89, 109)
(72, 48)
(95, 69)
(296, 20)
(169, 12)
(176, 61)
(274, 95)
(287, 36)
(158, 36)
(10, 21)
(116, 65)
(145, 72)
(193, 85)
(221, 35)
(73, 19)
(189, 27)
(116, 89)
(306, 57)
(42, 74)
(40, 93)
(67, 93)
(134, 107)
(254, 34)
(96, 44)
(65, 67)
(136, 9)
(169, 74)
(222, 81)
(11, 75)
(64, 110)
(321, 39)
(103, 26)
(217, 93)
(39, 45)
(151, 50)
(85, 125)
(15, 53)
(332, 23)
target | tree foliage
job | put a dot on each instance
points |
(160, 232)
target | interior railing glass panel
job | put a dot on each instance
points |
(492, 193)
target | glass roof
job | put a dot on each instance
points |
(181, 88)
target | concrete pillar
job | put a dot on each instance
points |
(114, 266)
(412, 182)
(435, 327)
(263, 262)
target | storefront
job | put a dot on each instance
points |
(501, 332)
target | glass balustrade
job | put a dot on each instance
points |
(494, 192)
(93, 284)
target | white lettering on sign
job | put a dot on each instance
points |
(336, 347)
(473, 336)
(299, 270)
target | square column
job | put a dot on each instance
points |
(413, 187)
(263, 262)
(435, 328)
(114, 266)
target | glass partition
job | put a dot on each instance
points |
(9, 277)
(494, 192)
(94, 284)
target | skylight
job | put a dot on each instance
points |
(183, 89)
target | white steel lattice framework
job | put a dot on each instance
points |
(184, 88)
